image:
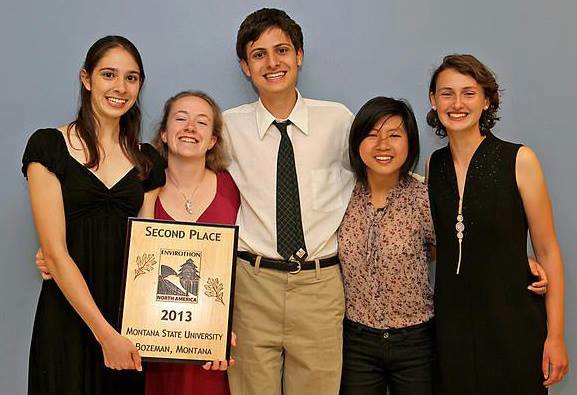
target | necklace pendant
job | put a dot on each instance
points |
(188, 206)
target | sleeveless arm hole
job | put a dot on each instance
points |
(517, 149)
(232, 192)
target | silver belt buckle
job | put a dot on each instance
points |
(298, 258)
(299, 266)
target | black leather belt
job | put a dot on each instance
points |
(292, 267)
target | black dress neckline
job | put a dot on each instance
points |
(451, 173)
(94, 176)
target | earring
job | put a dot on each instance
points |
(486, 108)
(434, 108)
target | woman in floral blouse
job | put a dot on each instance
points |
(386, 242)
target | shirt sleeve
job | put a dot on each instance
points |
(47, 147)
(156, 177)
(345, 159)
(428, 228)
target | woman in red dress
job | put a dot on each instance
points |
(198, 189)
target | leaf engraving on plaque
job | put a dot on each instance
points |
(144, 264)
(214, 289)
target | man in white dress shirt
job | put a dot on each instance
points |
(289, 301)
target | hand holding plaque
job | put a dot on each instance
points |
(178, 289)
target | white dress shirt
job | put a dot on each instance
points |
(319, 132)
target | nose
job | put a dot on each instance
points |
(120, 85)
(458, 102)
(383, 142)
(191, 126)
(272, 60)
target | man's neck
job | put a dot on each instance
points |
(280, 105)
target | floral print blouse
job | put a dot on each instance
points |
(385, 255)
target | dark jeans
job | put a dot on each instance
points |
(398, 359)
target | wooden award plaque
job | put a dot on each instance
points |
(178, 289)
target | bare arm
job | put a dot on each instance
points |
(147, 209)
(48, 212)
(531, 183)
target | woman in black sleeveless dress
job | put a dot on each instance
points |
(85, 179)
(493, 336)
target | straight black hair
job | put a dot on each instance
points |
(365, 120)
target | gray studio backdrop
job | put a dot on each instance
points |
(353, 51)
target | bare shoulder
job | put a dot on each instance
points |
(527, 168)
(527, 157)
(527, 161)
(72, 139)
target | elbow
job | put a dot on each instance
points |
(547, 252)
(54, 258)
(549, 258)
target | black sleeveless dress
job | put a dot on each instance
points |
(490, 328)
(65, 358)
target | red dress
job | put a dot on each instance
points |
(183, 378)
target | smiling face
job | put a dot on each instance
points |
(114, 84)
(272, 63)
(459, 101)
(385, 149)
(189, 128)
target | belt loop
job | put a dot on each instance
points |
(257, 265)
(317, 269)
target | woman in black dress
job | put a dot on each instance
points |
(84, 180)
(493, 337)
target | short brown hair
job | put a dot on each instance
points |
(471, 66)
(259, 22)
(216, 157)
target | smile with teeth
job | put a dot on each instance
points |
(385, 158)
(275, 76)
(457, 115)
(188, 139)
(116, 101)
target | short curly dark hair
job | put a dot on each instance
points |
(259, 22)
(471, 66)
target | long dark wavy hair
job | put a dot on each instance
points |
(86, 123)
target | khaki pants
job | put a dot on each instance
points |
(289, 329)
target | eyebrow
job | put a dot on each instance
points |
(399, 127)
(116, 70)
(463, 88)
(276, 46)
(186, 113)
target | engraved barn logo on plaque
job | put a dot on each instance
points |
(178, 276)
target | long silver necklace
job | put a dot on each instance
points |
(460, 228)
(188, 206)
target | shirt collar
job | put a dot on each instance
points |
(298, 117)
